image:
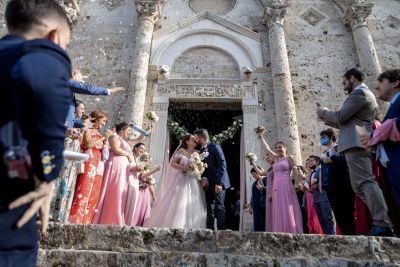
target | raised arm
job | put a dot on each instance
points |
(86, 89)
(266, 146)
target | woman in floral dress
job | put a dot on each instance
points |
(88, 184)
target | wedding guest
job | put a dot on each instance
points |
(320, 198)
(79, 113)
(384, 137)
(64, 187)
(313, 225)
(77, 86)
(286, 214)
(88, 184)
(353, 119)
(117, 175)
(269, 181)
(302, 197)
(336, 182)
(137, 216)
(258, 201)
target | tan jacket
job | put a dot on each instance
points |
(360, 109)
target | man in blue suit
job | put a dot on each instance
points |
(77, 86)
(34, 104)
(218, 179)
(389, 91)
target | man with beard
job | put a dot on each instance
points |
(354, 118)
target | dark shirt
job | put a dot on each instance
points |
(258, 197)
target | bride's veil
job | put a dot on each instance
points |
(167, 179)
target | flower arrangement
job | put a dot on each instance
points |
(260, 130)
(251, 157)
(175, 129)
(225, 135)
(197, 166)
(230, 132)
(152, 116)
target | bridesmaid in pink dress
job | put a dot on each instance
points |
(137, 216)
(286, 214)
(117, 174)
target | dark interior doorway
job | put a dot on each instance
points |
(215, 117)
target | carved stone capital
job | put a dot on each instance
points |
(149, 9)
(275, 13)
(357, 14)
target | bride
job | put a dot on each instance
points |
(181, 202)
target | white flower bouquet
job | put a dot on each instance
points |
(197, 166)
(152, 116)
(251, 157)
(260, 130)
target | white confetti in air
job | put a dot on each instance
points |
(97, 99)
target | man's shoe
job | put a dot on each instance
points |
(381, 231)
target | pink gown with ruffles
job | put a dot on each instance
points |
(286, 214)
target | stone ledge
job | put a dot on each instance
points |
(71, 258)
(266, 245)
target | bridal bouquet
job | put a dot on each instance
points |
(197, 166)
(152, 116)
(251, 157)
(260, 130)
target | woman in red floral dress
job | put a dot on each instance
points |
(88, 184)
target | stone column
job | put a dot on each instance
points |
(159, 132)
(355, 17)
(283, 94)
(251, 144)
(148, 12)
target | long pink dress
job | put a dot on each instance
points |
(113, 197)
(141, 213)
(286, 214)
(181, 202)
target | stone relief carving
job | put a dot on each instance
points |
(112, 4)
(392, 22)
(159, 106)
(220, 7)
(250, 109)
(203, 63)
(313, 17)
(205, 91)
(149, 8)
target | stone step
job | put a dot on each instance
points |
(114, 243)
(82, 258)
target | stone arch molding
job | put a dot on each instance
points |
(206, 30)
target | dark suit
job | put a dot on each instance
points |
(393, 151)
(258, 203)
(35, 98)
(83, 89)
(217, 174)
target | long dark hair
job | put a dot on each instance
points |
(183, 141)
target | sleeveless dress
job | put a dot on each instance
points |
(113, 198)
(286, 214)
(88, 185)
(180, 202)
(138, 204)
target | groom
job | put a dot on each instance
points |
(218, 179)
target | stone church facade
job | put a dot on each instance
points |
(275, 59)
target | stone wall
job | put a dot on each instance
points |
(320, 48)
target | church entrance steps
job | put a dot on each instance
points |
(94, 245)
